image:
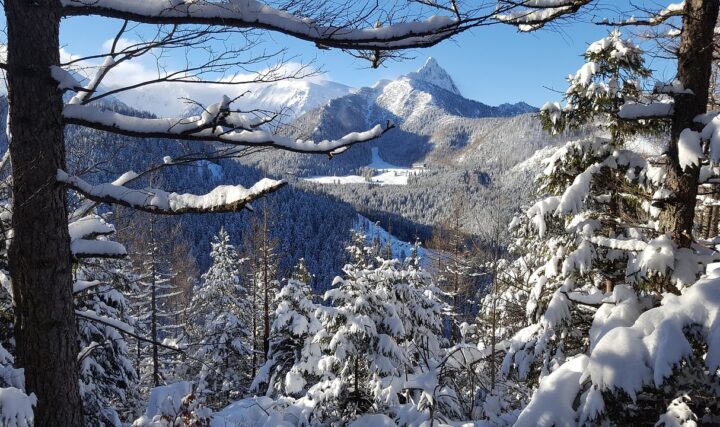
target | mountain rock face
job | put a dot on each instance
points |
(435, 124)
(433, 73)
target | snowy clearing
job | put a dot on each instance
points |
(384, 174)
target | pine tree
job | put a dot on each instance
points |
(302, 274)
(574, 240)
(292, 361)
(218, 328)
(594, 257)
(385, 322)
(108, 376)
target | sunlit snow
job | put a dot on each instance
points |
(383, 174)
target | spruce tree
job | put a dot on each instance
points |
(292, 361)
(218, 328)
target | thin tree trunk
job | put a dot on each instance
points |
(40, 261)
(153, 306)
(493, 337)
(266, 285)
(707, 221)
(254, 326)
(694, 71)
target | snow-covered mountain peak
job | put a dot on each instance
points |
(436, 75)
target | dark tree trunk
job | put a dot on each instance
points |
(266, 282)
(694, 71)
(40, 262)
(154, 308)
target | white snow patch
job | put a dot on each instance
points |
(384, 174)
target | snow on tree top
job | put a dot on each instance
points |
(434, 74)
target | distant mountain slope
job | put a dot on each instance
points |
(469, 151)
(435, 123)
(296, 97)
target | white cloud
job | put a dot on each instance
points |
(121, 44)
(166, 98)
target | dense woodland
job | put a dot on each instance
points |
(554, 266)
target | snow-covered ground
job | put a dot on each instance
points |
(384, 174)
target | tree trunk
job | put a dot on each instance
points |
(266, 283)
(153, 307)
(40, 261)
(694, 71)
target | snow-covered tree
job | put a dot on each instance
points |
(292, 361)
(384, 323)
(597, 261)
(578, 239)
(218, 328)
(302, 274)
(109, 380)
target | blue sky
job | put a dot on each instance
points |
(492, 64)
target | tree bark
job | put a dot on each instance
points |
(40, 261)
(694, 71)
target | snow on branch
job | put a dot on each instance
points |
(645, 353)
(88, 205)
(254, 14)
(83, 238)
(65, 80)
(629, 358)
(657, 18)
(534, 14)
(89, 227)
(83, 285)
(86, 248)
(217, 123)
(224, 198)
(16, 407)
(637, 110)
(94, 316)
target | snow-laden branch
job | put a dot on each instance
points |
(654, 110)
(88, 205)
(657, 18)
(217, 123)
(91, 315)
(83, 243)
(224, 198)
(534, 14)
(254, 14)
(83, 285)
(89, 227)
(86, 248)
